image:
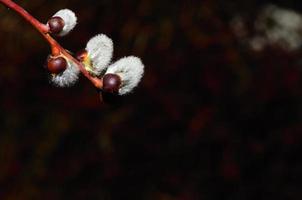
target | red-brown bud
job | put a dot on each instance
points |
(56, 24)
(56, 65)
(81, 55)
(111, 83)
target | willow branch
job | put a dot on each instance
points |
(56, 48)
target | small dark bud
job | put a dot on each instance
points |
(111, 83)
(81, 55)
(56, 24)
(56, 65)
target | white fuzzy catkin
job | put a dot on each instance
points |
(68, 77)
(69, 19)
(130, 69)
(100, 50)
(279, 26)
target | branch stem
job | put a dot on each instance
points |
(56, 48)
(33, 21)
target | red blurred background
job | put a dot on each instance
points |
(211, 119)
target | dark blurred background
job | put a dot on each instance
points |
(212, 119)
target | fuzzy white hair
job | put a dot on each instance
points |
(69, 19)
(66, 78)
(130, 69)
(279, 26)
(100, 50)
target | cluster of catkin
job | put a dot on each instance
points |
(118, 77)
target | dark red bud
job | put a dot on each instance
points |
(111, 83)
(56, 24)
(56, 65)
(81, 55)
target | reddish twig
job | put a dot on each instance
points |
(56, 48)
